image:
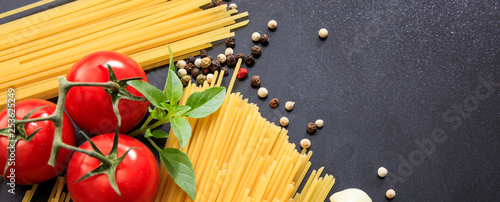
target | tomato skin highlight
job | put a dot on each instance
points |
(137, 176)
(90, 107)
(31, 158)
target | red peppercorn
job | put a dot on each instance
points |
(242, 73)
(274, 103)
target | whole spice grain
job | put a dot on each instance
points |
(221, 58)
(233, 6)
(181, 72)
(217, 2)
(226, 71)
(240, 55)
(215, 66)
(231, 60)
(229, 51)
(210, 78)
(189, 67)
(382, 172)
(323, 33)
(203, 53)
(230, 42)
(289, 105)
(255, 81)
(242, 73)
(200, 79)
(305, 143)
(262, 92)
(185, 80)
(319, 123)
(210, 5)
(284, 121)
(249, 60)
(197, 62)
(190, 59)
(390, 194)
(264, 40)
(256, 36)
(256, 51)
(272, 24)
(311, 127)
(181, 64)
(274, 103)
(195, 72)
(205, 62)
(206, 71)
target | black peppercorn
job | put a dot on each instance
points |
(274, 103)
(255, 81)
(215, 66)
(226, 71)
(195, 72)
(210, 5)
(256, 51)
(231, 60)
(191, 59)
(240, 55)
(264, 39)
(217, 2)
(311, 127)
(203, 53)
(189, 67)
(249, 60)
(230, 42)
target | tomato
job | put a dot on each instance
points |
(137, 176)
(31, 158)
(90, 107)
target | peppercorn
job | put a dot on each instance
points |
(228, 51)
(255, 81)
(274, 103)
(242, 73)
(206, 62)
(264, 40)
(323, 33)
(305, 143)
(221, 58)
(189, 67)
(390, 194)
(382, 172)
(230, 42)
(201, 79)
(217, 2)
(197, 62)
(311, 127)
(203, 53)
(289, 105)
(185, 80)
(272, 24)
(210, 5)
(231, 60)
(256, 51)
(210, 57)
(319, 123)
(284, 121)
(256, 36)
(206, 71)
(210, 77)
(232, 6)
(240, 55)
(181, 72)
(190, 59)
(195, 72)
(226, 71)
(215, 66)
(249, 60)
(262, 92)
(181, 64)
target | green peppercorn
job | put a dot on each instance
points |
(185, 80)
(201, 79)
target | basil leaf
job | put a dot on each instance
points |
(182, 130)
(180, 110)
(156, 133)
(153, 94)
(180, 168)
(173, 86)
(206, 102)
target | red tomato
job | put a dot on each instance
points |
(137, 176)
(31, 158)
(90, 107)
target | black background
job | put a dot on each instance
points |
(388, 75)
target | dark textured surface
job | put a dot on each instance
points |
(388, 77)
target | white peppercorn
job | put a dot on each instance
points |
(181, 64)
(323, 33)
(182, 72)
(382, 172)
(221, 58)
(210, 77)
(272, 24)
(197, 62)
(305, 143)
(284, 121)
(289, 105)
(262, 92)
(319, 123)
(255, 36)
(390, 194)
(229, 51)
(232, 6)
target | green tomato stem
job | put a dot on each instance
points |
(154, 144)
(91, 153)
(143, 129)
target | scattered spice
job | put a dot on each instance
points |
(189, 67)
(233, 6)
(195, 72)
(221, 58)
(210, 77)
(240, 55)
(262, 92)
(256, 51)
(190, 59)
(230, 42)
(181, 73)
(197, 62)
(206, 71)
(305, 143)
(226, 71)
(382, 172)
(203, 53)
(205, 62)
(323, 33)
(231, 60)
(272, 24)
(185, 80)
(319, 123)
(210, 5)
(242, 73)
(311, 127)
(264, 40)
(200, 79)
(217, 2)
(255, 81)
(274, 103)
(229, 51)
(390, 194)
(256, 36)
(284, 121)
(215, 66)
(289, 105)
(181, 64)
(249, 60)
